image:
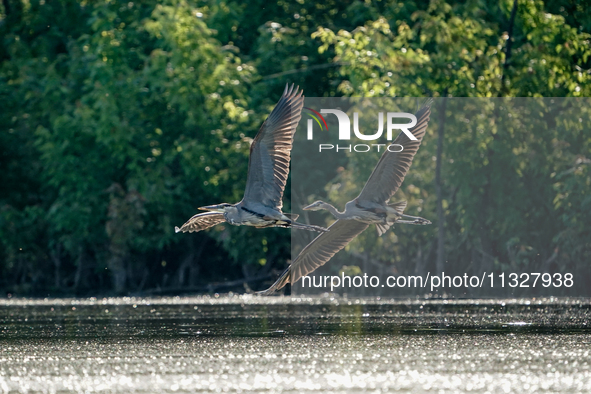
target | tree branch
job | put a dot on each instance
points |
(509, 44)
(7, 9)
(302, 70)
(438, 188)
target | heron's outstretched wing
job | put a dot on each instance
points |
(201, 221)
(319, 251)
(390, 171)
(270, 151)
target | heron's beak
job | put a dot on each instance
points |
(213, 208)
(309, 207)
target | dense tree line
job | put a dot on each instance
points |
(119, 118)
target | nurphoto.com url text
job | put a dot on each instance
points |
(441, 281)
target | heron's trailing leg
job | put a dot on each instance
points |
(416, 220)
(308, 227)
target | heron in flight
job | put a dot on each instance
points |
(268, 168)
(370, 207)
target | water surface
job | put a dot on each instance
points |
(279, 344)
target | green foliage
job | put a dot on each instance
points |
(139, 118)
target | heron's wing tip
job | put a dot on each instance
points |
(293, 91)
(427, 102)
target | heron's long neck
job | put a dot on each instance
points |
(335, 212)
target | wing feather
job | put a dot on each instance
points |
(270, 152)
(201, 222)
(390, 171)
(318, 252)
(324, 247)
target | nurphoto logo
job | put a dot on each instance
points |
(345, 129)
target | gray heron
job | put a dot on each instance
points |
(370, 207)
(268, 168)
